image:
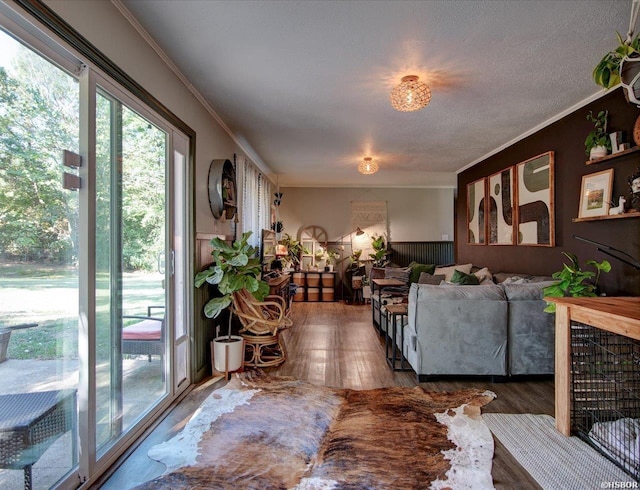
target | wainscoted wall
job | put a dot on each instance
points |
(414, 214)
(565, 137)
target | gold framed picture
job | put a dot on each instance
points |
(476, 213)
(535, 213)
(595, 194)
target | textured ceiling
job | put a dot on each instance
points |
(305, 85)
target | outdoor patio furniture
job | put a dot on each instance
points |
(145, 337)
(30, 423)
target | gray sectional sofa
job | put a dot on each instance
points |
(491, 329)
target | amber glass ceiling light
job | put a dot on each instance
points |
(368, 166)
(410, 95)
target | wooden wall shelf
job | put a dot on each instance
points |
(635, 214)
(615, 155)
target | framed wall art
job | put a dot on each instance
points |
(500, 208)
(595, 194)
(476, 213)
(535, 201)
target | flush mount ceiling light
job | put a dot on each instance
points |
(410, 95)
(368, 166)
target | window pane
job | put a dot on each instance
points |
(38, 264)
(130, 260)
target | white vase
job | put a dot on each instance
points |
(598, 152)
(223, 349)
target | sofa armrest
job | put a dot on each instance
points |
(459, 330)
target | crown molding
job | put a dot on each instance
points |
(245, 147)
(540, 126)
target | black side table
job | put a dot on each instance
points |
(395, 311)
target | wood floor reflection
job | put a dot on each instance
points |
(335, 344)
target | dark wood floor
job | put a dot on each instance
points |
(335, 344)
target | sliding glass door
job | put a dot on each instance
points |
(38, 269)
(94, 268)
(131, 249)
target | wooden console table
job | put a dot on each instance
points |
(614, 314)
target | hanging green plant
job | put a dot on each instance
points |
(607, 71)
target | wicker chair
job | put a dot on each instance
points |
(262, 322)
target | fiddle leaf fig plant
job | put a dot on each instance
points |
(235, 267)
(380, 250)
(574, 281)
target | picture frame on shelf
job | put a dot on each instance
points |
(595, 194)
(477, 212)
(535, 208)
(501, 202)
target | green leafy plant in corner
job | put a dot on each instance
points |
(574, 281)
(380, 250)
(607, 71)
(235, 267)
(598, 135)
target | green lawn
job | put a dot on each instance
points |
(48, 296)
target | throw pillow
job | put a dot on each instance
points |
(448, 271)
(400, 273)
(417, 269)
(484, 276)
(464, 279)
(433, 280)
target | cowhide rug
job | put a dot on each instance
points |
(261, 432)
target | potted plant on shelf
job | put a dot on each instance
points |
(294, 250)
(574, 281)
(234, 269)
(330, 257)
(597, 144)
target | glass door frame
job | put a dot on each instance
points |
(48, 35)
(91, 462)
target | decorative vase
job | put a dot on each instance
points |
(227, 355)
(598, 152)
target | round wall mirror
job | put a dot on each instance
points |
(222, 189)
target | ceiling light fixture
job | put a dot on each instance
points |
(411, 95)
(368, 166)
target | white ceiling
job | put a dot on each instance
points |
(304, 85)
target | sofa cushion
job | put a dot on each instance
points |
(448, 271)
(526, 292)
(400, 273)
(433, 279)
(513, 277)
(464, 279)
(417, 269)
(489, 292)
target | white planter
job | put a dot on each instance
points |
(222, 349)
(598, 152)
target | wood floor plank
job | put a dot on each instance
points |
(335, 344)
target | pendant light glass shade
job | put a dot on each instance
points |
(410, 95)
(368, 166)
